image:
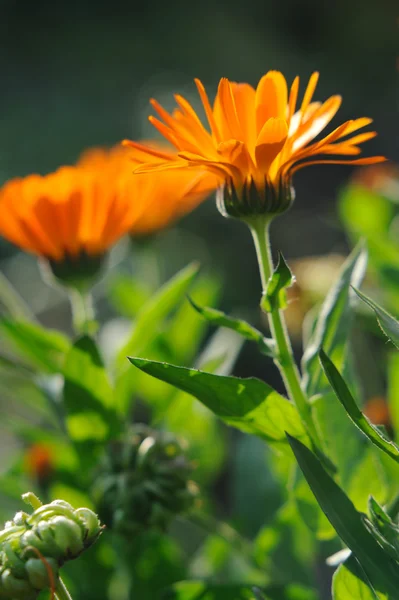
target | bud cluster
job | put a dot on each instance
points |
(34, 546)
(144, 482)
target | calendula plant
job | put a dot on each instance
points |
(315, 482)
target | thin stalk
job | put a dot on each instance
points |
(82, 310)
(61, 592)
(285, 358)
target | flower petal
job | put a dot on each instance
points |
(270, 142)
(271, 98)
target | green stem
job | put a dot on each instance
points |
(82, 310)
(285, 359)
(61, 593)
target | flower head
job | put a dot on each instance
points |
(257, 139)
(158, 200)
(73, 216)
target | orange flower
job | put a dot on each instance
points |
(158, 200)
(39, 462)
(71, 217)
(257, 139)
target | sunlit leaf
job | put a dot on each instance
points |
(380, 568)
(333, 324)
(350, 582)
(248, 404)
(219, 318)
(152, 314)
(360, 420)
(88, 396)
(388, 324)
(43, 348)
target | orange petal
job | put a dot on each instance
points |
(307, 98)
(208, 109)
(228, 108)
(293, 99)
(271, 98)
(147, 150)
(270, 142)
(244, 97)
(315, 124)
(371, 160)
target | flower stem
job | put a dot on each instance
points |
(82, 310)
(61, 592)
(285, 359)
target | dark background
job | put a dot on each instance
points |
(76, 74)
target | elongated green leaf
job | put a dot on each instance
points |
(153, 313)
(382, 571)
(360, 420)
(333, 323)
(350, 582)
(43, 348)
(219, 318)
(275, 296)
(388, 324)
(88, 396)
(247, 404)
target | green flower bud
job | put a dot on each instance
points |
(17, 589)
(38, 572)
(67, 536)
(144, 482)
(90, 524)
(33, 544)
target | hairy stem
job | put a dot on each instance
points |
(285, 358)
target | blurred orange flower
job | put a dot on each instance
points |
(377, 410)
(257, 138)
(39, 462)
(158, 200)
(84, 209)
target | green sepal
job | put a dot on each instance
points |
(247, 331)
(275, 296)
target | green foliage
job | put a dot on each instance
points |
(333, 323)
(43, 348)
(247, 404)
(247, 331)
(281, 279)
(345, 397)
(380, 568)
(388, 324)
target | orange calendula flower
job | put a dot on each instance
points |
(257, 139)
(158, 201)
(73, 216)
(39, 462)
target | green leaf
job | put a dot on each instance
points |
(247, 404)
(282, 278)
(382, 571)
(360, 420)
(88, 396)
(220, 319)
(350, 582)
(333, 323)
(388, 324)
(151, 316)
(43, 348)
